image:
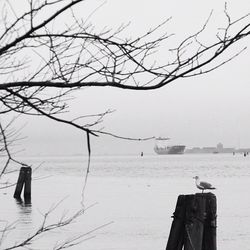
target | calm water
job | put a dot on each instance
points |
(134, 195)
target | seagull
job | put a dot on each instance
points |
(202, 184)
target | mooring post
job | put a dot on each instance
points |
(24, 180)
(27, 184)
(176, 236)
(20, 183)
(209, 236)
(194, 225)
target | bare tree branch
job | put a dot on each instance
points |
(8, 138)
(44, 59)
(45, 227)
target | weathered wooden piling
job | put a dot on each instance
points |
(209, 236)
(24, 180)
(194, 224)
(176, 236)
(27, 184)
(20, 183)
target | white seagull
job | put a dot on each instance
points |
(202, 184)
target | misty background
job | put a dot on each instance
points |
(197, 111)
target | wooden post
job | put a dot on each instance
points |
(27, 186)
(24, 180)
(209, 236)
(194, 225)
(176, 236)
(20, 183)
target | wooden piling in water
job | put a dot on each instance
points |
(209, 236)
(194, 225)
(194, 222)
(24, 181)
(27, 184)
(176, 236)
(20, 183)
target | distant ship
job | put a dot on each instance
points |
(170, 149)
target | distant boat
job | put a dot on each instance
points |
(169, 149)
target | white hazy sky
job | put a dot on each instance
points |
(200, 111)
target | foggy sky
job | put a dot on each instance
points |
(200, 111)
